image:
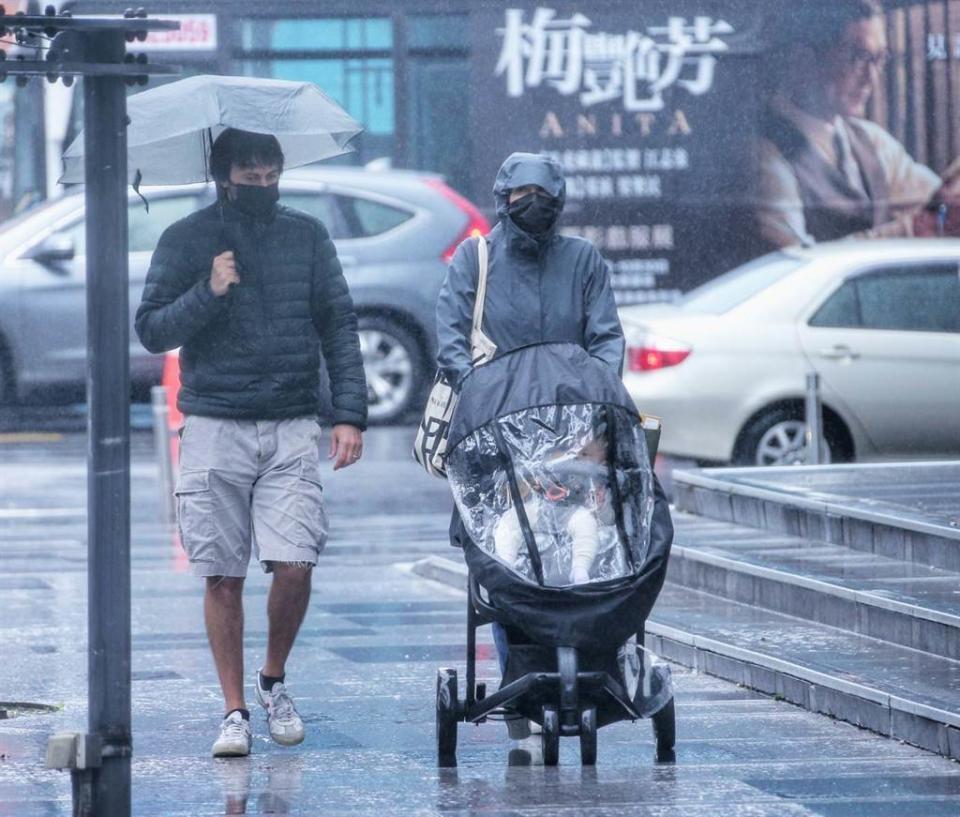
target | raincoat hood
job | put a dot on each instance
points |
(519, 170)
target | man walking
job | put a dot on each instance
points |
(251, 291)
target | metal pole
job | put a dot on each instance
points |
(108, 396)
(161, 442)
(814, 421)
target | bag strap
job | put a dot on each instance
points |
(483, 263)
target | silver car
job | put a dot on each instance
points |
(725, 368)
(395, 231)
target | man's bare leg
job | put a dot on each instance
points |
(223, 612)
(286, 608)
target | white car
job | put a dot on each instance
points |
(725, 367)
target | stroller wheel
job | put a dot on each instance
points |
(447, 717)
(588, 736)
(665, 732)
(551, 736)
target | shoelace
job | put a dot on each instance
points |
(282, 708)
(234, 730)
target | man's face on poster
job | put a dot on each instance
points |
(851, 69)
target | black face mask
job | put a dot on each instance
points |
(254, 200)
(534, 214)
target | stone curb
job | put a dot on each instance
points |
(927, 727)
(704, 494)
(817, 600)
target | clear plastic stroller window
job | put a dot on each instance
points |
(562, 495)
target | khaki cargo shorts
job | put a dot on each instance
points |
(250, 486)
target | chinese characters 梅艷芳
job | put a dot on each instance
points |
(601, 67)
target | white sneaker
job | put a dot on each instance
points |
(283, 720)
(234, 739)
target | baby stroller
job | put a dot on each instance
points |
(566, 534)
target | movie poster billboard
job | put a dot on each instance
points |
(697, 135)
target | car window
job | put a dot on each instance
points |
(733, 288)
(908, 299)
(78, 233)
(371, 218)
(144, 228)
(842, 309)
(322, 206)
(913, 300)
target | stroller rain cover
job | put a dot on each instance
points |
(561, 517)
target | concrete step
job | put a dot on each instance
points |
(896, 691)
(905, 511)
(902, 602)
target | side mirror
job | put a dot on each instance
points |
(55, 247)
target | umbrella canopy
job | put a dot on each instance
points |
(172, 127)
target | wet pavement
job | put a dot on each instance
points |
(363, 673)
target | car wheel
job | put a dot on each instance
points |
(777, 437)
(393, 363)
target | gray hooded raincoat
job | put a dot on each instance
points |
(539, 290)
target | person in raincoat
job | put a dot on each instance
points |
(542, 287)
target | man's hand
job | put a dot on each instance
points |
(223, 274)
(346, 445)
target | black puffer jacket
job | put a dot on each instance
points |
(255, 352)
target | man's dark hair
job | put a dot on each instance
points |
(243, 149)
(820, 24)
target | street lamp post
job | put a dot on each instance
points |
(95, 49)
(108, 467)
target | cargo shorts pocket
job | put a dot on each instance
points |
(312, 509)
(195, 515)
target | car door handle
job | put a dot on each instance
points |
(839, 353)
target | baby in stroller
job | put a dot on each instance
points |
(566, 533)
(570, 498)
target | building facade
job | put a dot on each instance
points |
(652, 107)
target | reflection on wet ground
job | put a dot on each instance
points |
(363, 674)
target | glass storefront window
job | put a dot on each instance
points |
(333, 34)
(437, 31)
(437, 111)
(350, 58)
(363, 86)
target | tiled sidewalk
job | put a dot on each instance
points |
(363, 674)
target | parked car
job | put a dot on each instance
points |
(879, 321)
(395, 232)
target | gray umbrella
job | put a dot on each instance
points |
(173, 126)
